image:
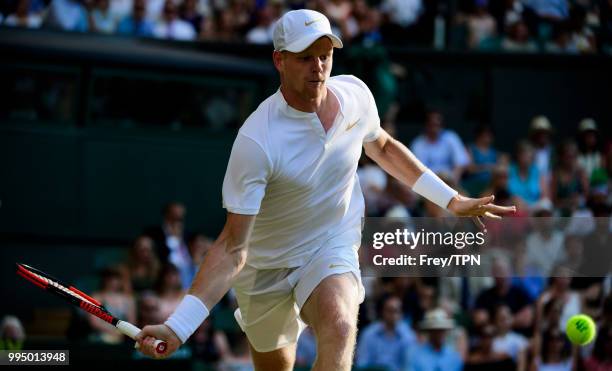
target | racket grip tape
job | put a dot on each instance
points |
(131, 331)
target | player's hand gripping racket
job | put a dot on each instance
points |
(81, 300)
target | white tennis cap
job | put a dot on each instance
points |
(298, 29)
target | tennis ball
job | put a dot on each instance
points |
(580, 329)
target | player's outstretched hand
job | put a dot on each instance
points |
(477, 208)
(149, 334)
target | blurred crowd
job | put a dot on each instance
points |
(554, 261)
(511, 318)
(556, 26)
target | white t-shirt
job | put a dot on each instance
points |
(511, 343)
(300, 181)
(443, 155)
(175, 30)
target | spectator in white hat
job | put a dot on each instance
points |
(540, 133)
(434, 354)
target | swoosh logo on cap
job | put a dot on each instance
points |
(311, 22)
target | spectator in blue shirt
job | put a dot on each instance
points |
(67, 15)
(484, 157)
(386, 343)
(440, 149)
(136, 24)
(306, 351)
(434, 354)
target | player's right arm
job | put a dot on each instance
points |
(224, 260)
(222, 263)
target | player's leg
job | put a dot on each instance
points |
(331, 310)
(277, 360)
(269, 317)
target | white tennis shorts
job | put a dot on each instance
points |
(270, 300)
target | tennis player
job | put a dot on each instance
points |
(289, 245)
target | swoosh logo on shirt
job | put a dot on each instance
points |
(311, 22)
(351, 125)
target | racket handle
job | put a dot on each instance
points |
(130, 330)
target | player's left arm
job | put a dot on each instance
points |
(397, 160)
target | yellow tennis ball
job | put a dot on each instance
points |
(581, 329)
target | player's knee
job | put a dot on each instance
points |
(340, 332)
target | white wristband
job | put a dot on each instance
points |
(187, 317)
(434, 189)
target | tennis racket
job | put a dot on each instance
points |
(81, 300)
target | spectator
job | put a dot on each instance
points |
(12, 334)
(149, 309)
(560, 293)
(507, 12)
(169, 289)
(67, 15)
(386, 343)
(601, 359)
(401, 199)
(373, 182)
(551, 315)
(101, 19)
(113, 296)
(581, 35)
(507, 341)
(517, 38)
(498, 182)
(562, 41)
(306, 352)
(407, 289)
(555, 353)
(23, 16)
(170, 240)
(369, 26)
(136, 24)
(552, 10)
(434, 354)
(481, 25)
(569, 184)
(540, 134)
(239, 358)
(605, 22)
(208, 344)
(154, 10)
(189, 13)
(143, 265)
(338, 10)
(171, 27)
(224, 29)
(483, 158)
(198, 245)
(440, 150)
(120, 9)
(525, 180)
(238, 15)
(400, 20)
(590, 157)
(574, 254)
(504, 292)
(544, 242)
(597, 252)
(485, 357)
(262, 32)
